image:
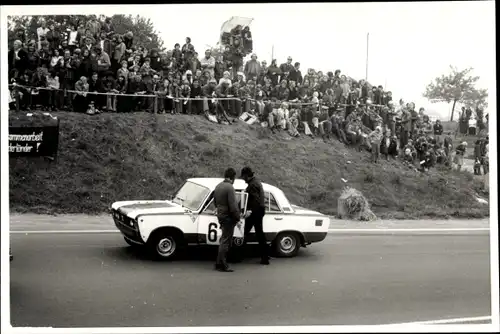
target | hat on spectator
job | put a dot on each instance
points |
(212, 81)
(188, 72)
(254, 55)
(240, 73)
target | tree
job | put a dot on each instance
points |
(142, 28)
(457, 86)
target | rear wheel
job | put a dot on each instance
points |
(287, 244)
(165, 245)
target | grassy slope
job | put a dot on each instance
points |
(111, 157)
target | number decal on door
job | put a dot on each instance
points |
(212, 232)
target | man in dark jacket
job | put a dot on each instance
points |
(438, 130)
(228, 214)
(256, 209)
(18, 60)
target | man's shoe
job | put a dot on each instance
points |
(225, 269)
(264, 261)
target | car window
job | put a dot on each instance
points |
(191, 195)
(210, 209)
(271, 204)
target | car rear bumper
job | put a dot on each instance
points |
(311, 237)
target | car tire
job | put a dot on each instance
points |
(165, 245)
(287, 244)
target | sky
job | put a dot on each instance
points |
(409, 43)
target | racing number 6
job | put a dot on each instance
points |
(212, 232)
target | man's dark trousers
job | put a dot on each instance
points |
(227, 226)
(256, 220)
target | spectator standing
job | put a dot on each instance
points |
(107, 27)
(286, 69)
(53, 93)
(472, 126)
(405, 127)
(375, 138)
(187, 50)
(105, 43)
(73, 38)
(228, 214)
(478, 155)
(256, 210)
(438, 130)
(128, 39)
(89, 43)
(103, 61)
(252, 68)
(118, 53)
(80, 102)
(459, 155)
(41, 33)
(18, 60)
(448, 147)
(273, 72)
(208, 63)
(54, 36)
(193, 63)
(94, 26)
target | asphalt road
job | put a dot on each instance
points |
(352, 278)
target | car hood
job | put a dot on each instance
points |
(135, 208)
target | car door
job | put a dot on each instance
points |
(208, 224)
(275, 219)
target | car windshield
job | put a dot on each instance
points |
(191, 196)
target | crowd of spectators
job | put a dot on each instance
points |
(63, 66)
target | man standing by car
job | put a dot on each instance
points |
(256, 208)
(228, 214)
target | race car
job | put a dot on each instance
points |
(165, 227)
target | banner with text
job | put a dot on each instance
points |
(34, 141)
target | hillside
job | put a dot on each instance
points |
(110, 157)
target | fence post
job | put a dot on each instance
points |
(156, 104)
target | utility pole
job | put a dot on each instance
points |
(272, 54)
(367, 40)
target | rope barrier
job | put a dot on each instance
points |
(159, 94)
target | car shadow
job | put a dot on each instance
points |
(197, 253)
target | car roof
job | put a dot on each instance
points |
(238, 184)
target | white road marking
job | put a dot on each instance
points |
(382, 230)
(331, 230)
(443, 321)
(65, 231)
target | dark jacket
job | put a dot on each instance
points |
(21, 64)
(225, 202)
(438, 129)
(256, 199)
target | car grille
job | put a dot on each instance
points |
(123, 221)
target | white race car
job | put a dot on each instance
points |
(164, 227)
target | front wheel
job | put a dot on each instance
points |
(164, 245)
(287, 244)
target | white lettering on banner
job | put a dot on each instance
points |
(32, 137)
(27, 148)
